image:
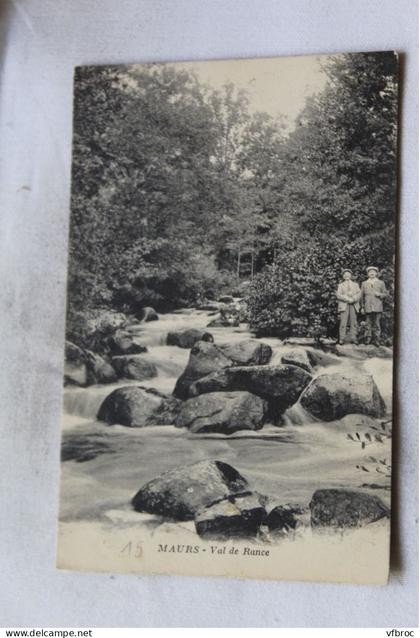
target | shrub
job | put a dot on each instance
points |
(296, 295)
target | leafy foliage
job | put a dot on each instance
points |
(142, 185)
(341, 191)
(180, 192)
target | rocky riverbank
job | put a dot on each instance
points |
(220, 502)
(290, 418)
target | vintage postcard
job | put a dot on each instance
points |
(229, 342)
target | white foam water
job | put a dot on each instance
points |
(297, 415)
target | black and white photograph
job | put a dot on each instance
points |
(227, 401)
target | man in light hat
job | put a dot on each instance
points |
(373, 292)
(348, 295)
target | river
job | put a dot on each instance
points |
(107, 464)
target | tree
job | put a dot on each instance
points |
(340, 189)
(144, 139)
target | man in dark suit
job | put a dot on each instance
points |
(373, 291)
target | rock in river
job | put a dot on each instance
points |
(105, 321)
(320, 358)
(247, 352)
(332, 396)
(75, 368)
(122, 342)
(298, 357)
(234, 517)
(183, 491)
(283, 518)
(280, 385)
(99, 370)
(224, 321)
(148, 314)
(226, 299)
(204, 358)
(229, 316)
(345, 508)
(134, 366)
(137, 407)
(211, 306)
(187, 338)
(362, 351)
(224, 412)
(83, 367)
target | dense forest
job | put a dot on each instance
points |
(181, 192)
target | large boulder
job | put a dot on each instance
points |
(345, 508)
(204, 358)
(187, 338)
(75, 368)
(280, 385)
(248, 352)
(297, 357)
(182, 492)
(134, 366)
(99, 370)
(122, 342)
(234, 517)
(148, 314)
(332, 396)
(135, 406)
(224, 412)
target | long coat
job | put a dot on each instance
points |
(348, 292)
(373, 291)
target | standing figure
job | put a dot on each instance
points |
(373, 292)
(348, 295)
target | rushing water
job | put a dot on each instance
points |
(105, 465)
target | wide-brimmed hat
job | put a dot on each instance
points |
(346, 270)
(372, 268)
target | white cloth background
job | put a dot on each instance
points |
(42, 41)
